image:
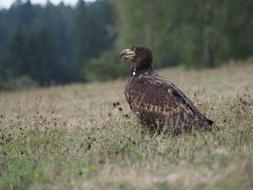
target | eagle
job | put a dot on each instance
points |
(159, 105)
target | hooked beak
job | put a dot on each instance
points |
(127, 54)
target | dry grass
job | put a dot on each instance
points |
(72, 138)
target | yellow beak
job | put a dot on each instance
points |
(127, 54)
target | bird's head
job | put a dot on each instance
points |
(140, 56)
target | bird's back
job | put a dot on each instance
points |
(160, 105)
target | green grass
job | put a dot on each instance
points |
(72, 138)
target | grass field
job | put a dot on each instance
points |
(72, 138)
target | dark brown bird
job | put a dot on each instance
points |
(158, 103)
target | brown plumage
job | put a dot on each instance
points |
(158, 103)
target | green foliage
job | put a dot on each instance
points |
(93, 39)
(52, 44)
(193, 33)
(106, 67)
(62, 44)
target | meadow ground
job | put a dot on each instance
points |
(72, 138)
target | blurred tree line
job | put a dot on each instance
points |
(60, 44)
(51, 44)
(195, 33)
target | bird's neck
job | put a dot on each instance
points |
(136, 71)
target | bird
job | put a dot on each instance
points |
(159, 104)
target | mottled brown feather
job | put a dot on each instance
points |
(159, 103)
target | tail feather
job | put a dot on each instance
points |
(209, 124)
(206, 123)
